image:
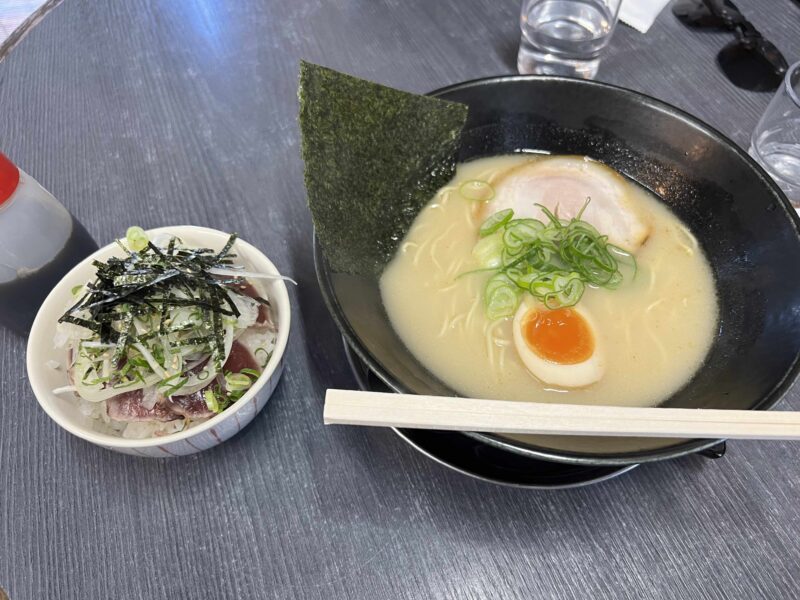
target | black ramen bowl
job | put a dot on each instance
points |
(745, 225)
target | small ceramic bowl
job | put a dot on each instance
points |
(64, 409)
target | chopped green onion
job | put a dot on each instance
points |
(136, 239)
(495, 222)
(236, 382)
(123, 384)
(267, 356)
(211, 401)
(501, 296)
(171, 389)
(489, 251)
(252, 372)
(475, 189)
(521, 232)
(552, 261)
(139, 362)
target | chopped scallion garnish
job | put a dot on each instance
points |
(495, 222)
(211, 401)
(266, 356)
(136, 238)
(237, 382)
(553, 261)
(476, 189)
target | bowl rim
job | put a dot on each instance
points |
(40, 328)
(681, 448)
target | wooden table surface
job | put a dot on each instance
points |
(177, 112)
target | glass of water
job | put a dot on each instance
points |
(565, 37)
(776, 140)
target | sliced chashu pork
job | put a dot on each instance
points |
(563, 185)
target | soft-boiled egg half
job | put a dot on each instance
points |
(559, 346)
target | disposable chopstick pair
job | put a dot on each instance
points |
(348, 407)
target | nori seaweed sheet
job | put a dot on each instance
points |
(374, 156)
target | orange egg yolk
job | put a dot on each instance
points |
(561, 336)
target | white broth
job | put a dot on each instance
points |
(656, 328)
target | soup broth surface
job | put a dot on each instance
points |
(656, 328)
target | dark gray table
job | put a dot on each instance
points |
(184, 111)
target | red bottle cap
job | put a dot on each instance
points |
(9, 178)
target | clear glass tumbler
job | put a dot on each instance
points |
(776, 140)
(565, 37)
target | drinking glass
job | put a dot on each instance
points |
(776, 140)
(565, 37)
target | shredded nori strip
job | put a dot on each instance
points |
(374, 156)
(144, 284)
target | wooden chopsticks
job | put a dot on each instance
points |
(348, 407)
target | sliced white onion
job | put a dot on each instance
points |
(150, 397)
(195, 363)
(106, 367)
(249, 274)
(248, 310)
(96, 345)
(195, 383)
(157, 368)
(64, 390)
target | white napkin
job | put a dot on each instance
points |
(640, 14)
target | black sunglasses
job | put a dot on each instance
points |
(750, 61)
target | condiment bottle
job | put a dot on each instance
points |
(40, 241)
